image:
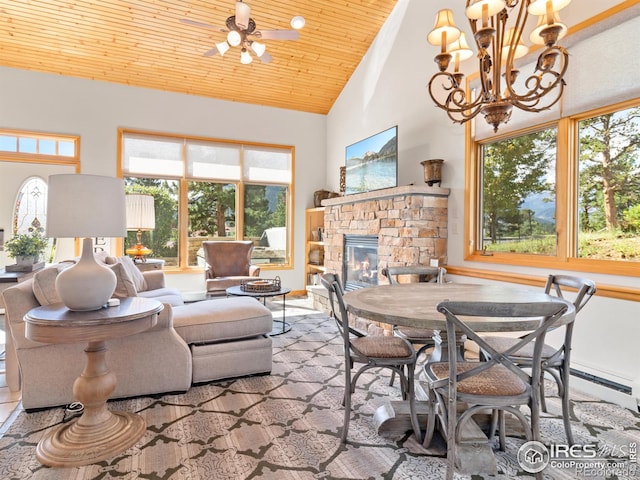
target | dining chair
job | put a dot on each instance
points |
(372, 351)
(497, 384)
(555, 360)
(420, 338)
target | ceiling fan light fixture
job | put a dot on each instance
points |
(297, 22)
(223, 47)
(243, 11)
(245, 57)
(234, 38)
(258, 48)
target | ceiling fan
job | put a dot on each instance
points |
(242, 32)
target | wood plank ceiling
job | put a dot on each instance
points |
(143, 43)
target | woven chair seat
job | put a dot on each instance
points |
(502, 344)
(413, 333)
(496, 381)
(379, 346)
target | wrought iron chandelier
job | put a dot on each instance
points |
(500, 43)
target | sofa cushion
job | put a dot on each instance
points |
(135, 274)
(44, 286)
(224, 319)
(167, 295)
(124, 284)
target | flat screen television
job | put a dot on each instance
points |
(372, 163)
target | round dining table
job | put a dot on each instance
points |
(415, 304)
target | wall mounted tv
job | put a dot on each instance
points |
(372, 163)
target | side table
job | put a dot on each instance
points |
(98, 434)
(237, 291)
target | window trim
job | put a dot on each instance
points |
(566, 201)
(183, 199)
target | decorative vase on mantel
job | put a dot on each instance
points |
(432, 171)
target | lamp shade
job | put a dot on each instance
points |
(543, 23)
(541, 7)
(85, 206)
(475, 9)
(140, 212)
(444, 24)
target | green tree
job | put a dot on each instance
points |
(256, 210)
(211, 206)
(609, 166)
(514, 169)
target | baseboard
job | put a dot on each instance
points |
(604, 389)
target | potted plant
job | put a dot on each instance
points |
(26, 248)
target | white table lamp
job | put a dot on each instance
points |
(85, 206)
(141, 216)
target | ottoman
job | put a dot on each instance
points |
(228, 337)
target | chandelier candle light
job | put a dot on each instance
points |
(499, 44)
(140, 216)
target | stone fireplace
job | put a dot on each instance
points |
(359, 261)
(410, 224)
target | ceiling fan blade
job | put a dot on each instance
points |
(278, 34)
(195, 23)
(211, 53)
(243, 11)
(265, 58)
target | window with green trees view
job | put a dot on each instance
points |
(200, 185)
(568, 192)
(519, 194)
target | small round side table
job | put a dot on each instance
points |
(98, 434)
(237, 291)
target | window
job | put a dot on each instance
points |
(518, 194)
(17, 144)
(565, 193)
(609, 186)
(201, 185)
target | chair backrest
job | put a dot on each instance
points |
(459, 316)
(585, 288)
(421, 273)
(227, 258)
(331, 281)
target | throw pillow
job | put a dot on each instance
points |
(134, 274)
(124, 285)
(44, 286)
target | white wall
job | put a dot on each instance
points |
(389, 88)
(95, 110)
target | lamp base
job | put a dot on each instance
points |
(87, 285)
(138, 251)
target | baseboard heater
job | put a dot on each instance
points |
(619, 387)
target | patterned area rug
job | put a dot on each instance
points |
(287, 426)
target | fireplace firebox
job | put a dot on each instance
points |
(360, 261)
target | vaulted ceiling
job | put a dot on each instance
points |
(144, 43)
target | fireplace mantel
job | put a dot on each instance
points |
(409, 221)
(386, 193)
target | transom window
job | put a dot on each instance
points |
(199, 185)
(33, 145)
